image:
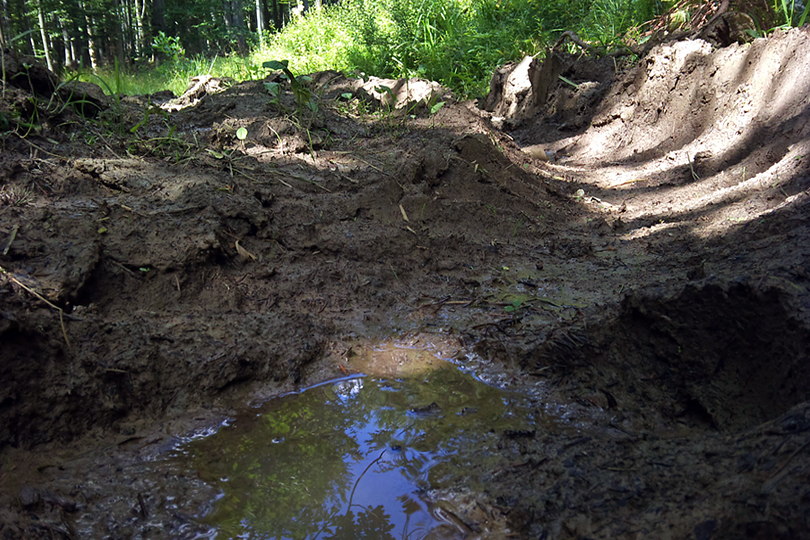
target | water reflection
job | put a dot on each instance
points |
(351, 459)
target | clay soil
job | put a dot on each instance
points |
(650, 285)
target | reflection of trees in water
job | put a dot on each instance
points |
(369, 523)
(289, 472)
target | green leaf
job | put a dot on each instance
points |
(241, 134)
(347, 95)
(275, 64)
(437, 107)
(215, 154)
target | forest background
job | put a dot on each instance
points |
(143, 46)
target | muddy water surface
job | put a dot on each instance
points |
(356, 457)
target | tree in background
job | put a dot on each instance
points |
(72, 33)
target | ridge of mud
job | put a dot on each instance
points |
(665, 318)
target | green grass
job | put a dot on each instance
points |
(172, 75)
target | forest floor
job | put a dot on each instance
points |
(652, 283)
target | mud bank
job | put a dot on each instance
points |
(649, 285)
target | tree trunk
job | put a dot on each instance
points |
(46, 47)
(92, 44)
(68, 61)
(3, 22)
(158, 16)
(278, 20)
(138, 15)
(237, 24)
(117, 42)
(261, 25)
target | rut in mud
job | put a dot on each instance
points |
(650, 282)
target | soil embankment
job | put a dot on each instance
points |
(651, 281)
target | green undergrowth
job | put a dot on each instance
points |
(455, 42)
(458, 43)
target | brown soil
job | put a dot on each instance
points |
(651, 284)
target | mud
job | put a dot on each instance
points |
(649, 287)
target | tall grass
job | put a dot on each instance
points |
(456, 42)
(172, 75)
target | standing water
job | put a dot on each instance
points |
(356, 457)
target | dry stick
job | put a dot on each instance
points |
(3, 271)
(11, 238)
(777, 476)
(379, 170)
(37, 147)
(574, 39)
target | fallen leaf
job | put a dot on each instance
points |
(245, 254)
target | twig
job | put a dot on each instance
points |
(692, 168)
(36, 146)
(3, 271)
(775, 477)
(361, 160)
(574, 39)
(11, 238)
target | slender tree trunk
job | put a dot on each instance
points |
(140, 43)
(159, 16)
(44, 34)
(278, 21)
(67, 45)
(261, 25)
(3, 23)
(92, 44)
(116, 42)
(158, 19)
(237, 24)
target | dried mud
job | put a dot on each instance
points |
(651, 284)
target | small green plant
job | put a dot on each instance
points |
(303, 95)
(436, 107)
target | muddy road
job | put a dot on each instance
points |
(647, 288)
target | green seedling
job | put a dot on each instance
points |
(303, 95)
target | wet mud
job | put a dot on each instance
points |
(647, 288)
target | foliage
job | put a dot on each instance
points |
(456, 42)
(607, 21)
(168, 46)
(791, 12)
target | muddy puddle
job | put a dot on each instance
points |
(358, 456)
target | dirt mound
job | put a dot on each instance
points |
(649, 281)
